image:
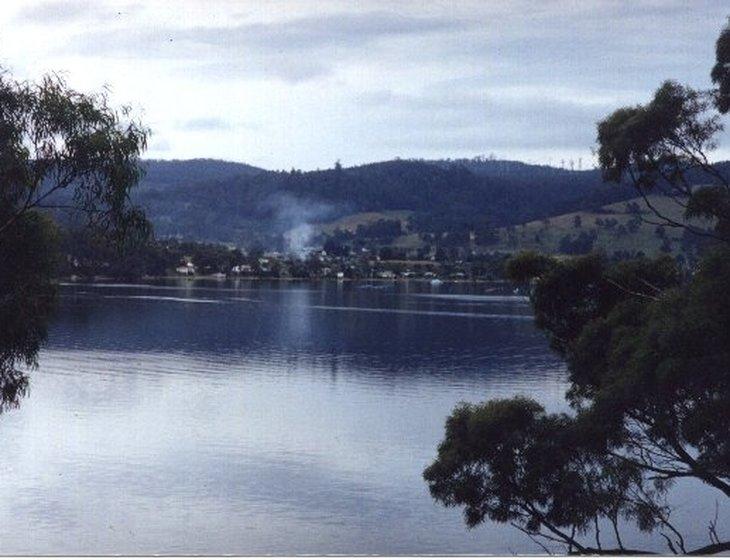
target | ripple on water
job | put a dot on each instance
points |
(300, 424)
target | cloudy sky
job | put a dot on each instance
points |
(303, 83)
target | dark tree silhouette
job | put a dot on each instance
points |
(648, 357)
(721, 71)
(58, 149)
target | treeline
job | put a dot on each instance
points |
(87, 255)
(224, 202)
(246, 206)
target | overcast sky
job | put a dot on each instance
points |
(298, 83)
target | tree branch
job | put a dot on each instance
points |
(710, 549)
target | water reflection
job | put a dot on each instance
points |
(283, 419)
(26, 298)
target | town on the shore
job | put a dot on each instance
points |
(166, 258)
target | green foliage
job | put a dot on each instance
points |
(568, 295)
(663, 146)
(54, 139)
(662, 367)
(579, 245)
(241, 205)
(92, 255)
(384, 231)
(509, 461)
(27, 262)
(721, 71)
(648, 141)
(711, 203)
(527, 266)
(650, 380)
(648, 357)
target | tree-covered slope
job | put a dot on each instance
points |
(229, 202)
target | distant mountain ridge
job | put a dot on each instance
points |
(161, 173)
(221, 201)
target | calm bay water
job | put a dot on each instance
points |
(253, 417)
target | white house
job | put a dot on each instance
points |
(187, 269)
(242, 269)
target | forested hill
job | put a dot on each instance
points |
(230, 202)
(177, 172)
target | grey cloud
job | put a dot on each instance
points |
(290, 69)
(293, 50)
(308, 33)
(465, 101)
(502, 75)
(205, 124)
(66, 11)
(471, 121)
(605, 44)
(342, 30)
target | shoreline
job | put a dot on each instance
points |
(100, 279)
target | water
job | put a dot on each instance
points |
(251, 418)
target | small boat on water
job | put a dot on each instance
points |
(436, 282)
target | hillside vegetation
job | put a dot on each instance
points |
(414, 205)
(235, 203)
(624, 228)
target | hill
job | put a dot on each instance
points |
(210, 200)
(160, 174)
(623, 228)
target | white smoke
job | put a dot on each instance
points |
(296, 218)
(299, 239)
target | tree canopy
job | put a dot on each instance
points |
(721, 71)
(648, 355)
(55, 141)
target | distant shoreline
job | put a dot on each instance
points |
(81, 279)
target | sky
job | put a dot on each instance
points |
(303, 83)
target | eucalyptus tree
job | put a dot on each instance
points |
(59, 149)
(721, 70)
(648, 355)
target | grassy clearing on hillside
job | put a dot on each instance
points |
(617, 227)
(351, 222)
(622, 227)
